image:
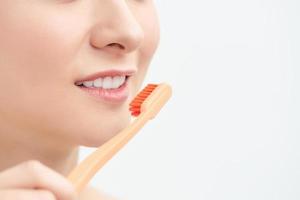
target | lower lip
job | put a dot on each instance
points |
(118, 95)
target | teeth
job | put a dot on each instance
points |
(88, 83)
(122, 79)
(116, 82)
(97, 82)
(106, 82)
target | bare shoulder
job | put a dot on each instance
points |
(94, 193)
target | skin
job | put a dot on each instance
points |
(47, 45)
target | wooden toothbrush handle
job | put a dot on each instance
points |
(82, 173)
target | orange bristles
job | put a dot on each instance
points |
(136, 103)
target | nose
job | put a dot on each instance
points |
(116, 29)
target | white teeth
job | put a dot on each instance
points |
(106, 82)
(116, 81)
(98, 82)
(122, 79)
(88, 83)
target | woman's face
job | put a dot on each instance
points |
(48, 45)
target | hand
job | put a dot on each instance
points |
(31, 180)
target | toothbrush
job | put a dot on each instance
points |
(144, 107)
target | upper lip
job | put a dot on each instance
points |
(111, 72)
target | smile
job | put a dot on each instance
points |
(108, 89)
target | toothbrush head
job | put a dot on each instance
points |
(150, 100)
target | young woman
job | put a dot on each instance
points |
(68, 70)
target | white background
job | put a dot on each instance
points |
(231, 130)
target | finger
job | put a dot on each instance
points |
(23, 194)
(35, 175)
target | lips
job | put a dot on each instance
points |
(117, 95)
(102, 74)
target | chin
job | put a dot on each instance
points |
(103, 132)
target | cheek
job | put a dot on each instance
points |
(149, 22)
(39, 43)
(34, 54)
